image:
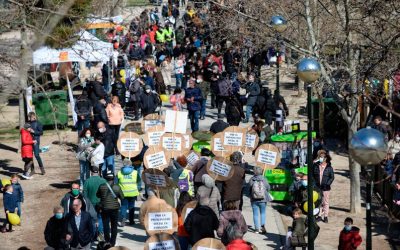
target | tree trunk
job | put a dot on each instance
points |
(355, 169)
(23, 71)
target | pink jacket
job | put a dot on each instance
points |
(177, 100)
(115, 114)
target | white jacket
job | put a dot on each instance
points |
(97, 155)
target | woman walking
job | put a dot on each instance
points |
(115, 116)
(85, 142)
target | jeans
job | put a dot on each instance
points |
(82, 124)
(19, 208)
(184, 242)
(84, 172)
(194, 120)
(203, 107)
(258, 207)
(108, 165)
(248, 111)
(178, 78)
(128, 203)
(110, 216)
(100, 228)
(36, 151)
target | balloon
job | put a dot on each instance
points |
(5, 182)
(314, 196)
(164, 98)
(122, 72)
(13, 219)
(305, 206)
(123, 80)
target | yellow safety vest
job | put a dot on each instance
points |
(160, 37)
(186, 175)
(168, 34)
(128, 184)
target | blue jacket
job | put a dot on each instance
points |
(18, 192)
(38, 128)
(85, 234)
(9, 202)
(196, 93)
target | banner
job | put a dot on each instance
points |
(28, 97)
(71, 101)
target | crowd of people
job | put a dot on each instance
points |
(146, 56)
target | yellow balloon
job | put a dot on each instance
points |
(164, 98)
(122, 72)
(305, 206)
(123, 80)
(13, 219)
(5, 182)
(315, 196)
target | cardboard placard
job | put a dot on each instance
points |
(133, 127)
(187, 209)
(150, 121)
(251, 142)
(153, 135)
(155, 157)
(220, 169)
(162, 241)
(156, 178)
(176, 121)
(129, 144)
(192, 157)
(234, 138)
(173, 145)
(208, 244)
(161, 218)
(216, 145)
(267, 156)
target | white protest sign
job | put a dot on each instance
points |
(155, 179)
(154, 137)
(192, 158)
(156, 160)
(251, 140)
(233, 139)
(172, 143)
(218, 145)
(150, 123)
(220, 168)
(129, 144)
(267, 157)
(176, 121)
(160, 221)
(162, 245)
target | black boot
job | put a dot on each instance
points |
(43, 172)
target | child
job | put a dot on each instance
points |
(27, 150)
(97, 155)
(350, 236)
(18, 192)
(177, 100)
(10, 204)
(298, 227)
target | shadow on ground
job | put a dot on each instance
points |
(63, 185)
(7, 169)
(8, 148)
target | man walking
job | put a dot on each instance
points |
(36, 131)
(193, 99)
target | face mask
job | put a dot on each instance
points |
(347, 227)
(102, 130)
(304, 183)
(58, 216)
(397, 138)
(147, 90)
(87, 135)
(75, 192)
(199, 80)
(321, 159)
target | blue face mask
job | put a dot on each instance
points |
(347, 227)
(58, 216)
(304, 183)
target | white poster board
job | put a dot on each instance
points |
(192, 158)
(130, 144)
(267, 157)
(220, 168)
(151, 123)
(160, 221)
(251, 140)
(156, 160)
(176, 121)
(218, 145)
(162, 245)
(233, 139)
(154, 137)
(172, 143)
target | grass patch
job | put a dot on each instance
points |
(135, 3)
(9, 131)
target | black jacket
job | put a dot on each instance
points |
(54, 233)
(85, 234)
(327, 176)
(108, 141)
(201, 223)
(119, 89)
(148, 103)
(253, 89)
(96, 91)
(234, 112)
(83, 107)
(99, 113)
(38, 128)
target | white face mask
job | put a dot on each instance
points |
(199, 80)
(87, 135)
(321, 159)
(102, 130)
(147, 90)
(397, 138)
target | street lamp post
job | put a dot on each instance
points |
(309, 71)
(368, 147)
(279, 24)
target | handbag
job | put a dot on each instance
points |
(242, 91)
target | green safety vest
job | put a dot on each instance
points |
(184, 177)
(168, 34)
(160, 37)
(128, 183)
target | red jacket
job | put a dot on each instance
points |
(238, 244)
(349, 240)
(26, 144)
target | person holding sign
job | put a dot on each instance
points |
(201, 223)
(193, 99)
(128, 179)
(208, 194)
(183, 176)
(233, 187)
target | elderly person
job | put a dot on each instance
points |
(53, 234)
(208, 194)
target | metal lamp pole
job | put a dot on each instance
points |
(310, 202)
(277, 74)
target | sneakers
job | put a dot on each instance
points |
(43, 172)
(122, 223)
(263, 230)
(26, 176)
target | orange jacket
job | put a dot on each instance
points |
(115, 114)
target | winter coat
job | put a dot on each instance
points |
(209, 195)
(38, 130)
(218, 126)
(266, 186)
(26, 144)
(199, 169)
(233, 187)
(196, 93)
(253, 89)
(87, 206)
(54, 233)
(9, 202)
(18, 192)
(224, 87)
(135, 90)
(97, 155)
(107, 201)
(108, 141)
(238, 244)
(90, 188)
(166, 71)
(99, 113)
(83, 107)
(115, 114)
(327, 177)
(299, 226)
(349, 240)
(84, 234)
(234, 112)
(119, 89)
(231, 215)
(201, 223)
(96, 91)
(149, 102)
(205, 89)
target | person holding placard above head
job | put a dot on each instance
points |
(183, 236)
(233, 188)
(115, 116)
(128, 179)
(193, 99)
(200, 167)
(208, 194)
(149, 101)
(231, 220)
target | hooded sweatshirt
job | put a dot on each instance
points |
(201, 223)
(231, 215)
(199, 169)
(208, 194)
